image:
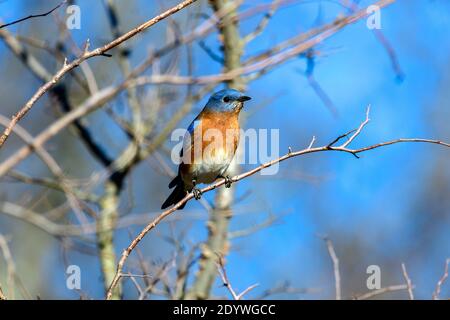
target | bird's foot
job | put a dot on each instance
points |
(197, 193)
(228, 181)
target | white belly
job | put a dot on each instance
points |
(207, 169)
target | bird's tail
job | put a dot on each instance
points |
(177, 194)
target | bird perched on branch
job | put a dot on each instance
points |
(209, 145)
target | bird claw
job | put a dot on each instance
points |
(197, 193)
(228, 181)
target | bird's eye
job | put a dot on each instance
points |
(226, 99)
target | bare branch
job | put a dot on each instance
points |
(358, 131)
(10, 265)
(441, 281)
(408, 282)
(311, 143)
(43, 223)
(379, 35)
(13, 278)
(226, 281)
(335, 260)
(381, 291)
(263, 23)
(33, 16)
(254, 228)
(101, 51)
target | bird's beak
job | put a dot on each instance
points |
(243, 98)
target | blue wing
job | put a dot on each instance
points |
(194, 124)
(190, 130)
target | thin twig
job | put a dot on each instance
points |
(335, 260)
(312, 142)
(408, 282)
(10, 265)
(358, 131)
(381, 291)
(226, 282)
(441, 281)
(33, 16)
(263, 23)
(136, 284)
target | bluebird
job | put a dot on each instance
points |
(209, 145)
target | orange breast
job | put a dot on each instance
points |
(220, 132)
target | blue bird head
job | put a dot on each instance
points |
(226, 100)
